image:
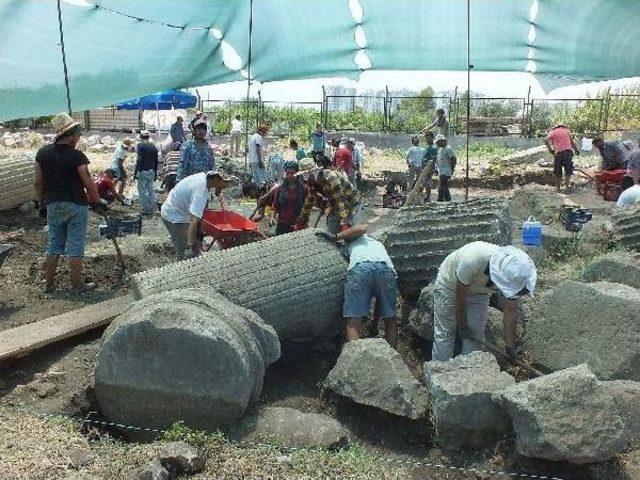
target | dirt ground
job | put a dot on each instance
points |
(58, 379)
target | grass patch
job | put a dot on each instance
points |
(37, 448)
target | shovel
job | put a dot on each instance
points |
(518, 363)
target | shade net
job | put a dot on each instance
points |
(121, 49)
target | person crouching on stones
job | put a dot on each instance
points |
(288, 199)
(465, 281)
(371, 275)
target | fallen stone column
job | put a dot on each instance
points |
(187, 355)
(294, 282)
(16, 181)
(625, 227)
(422, 237)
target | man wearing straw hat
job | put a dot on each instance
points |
(63, 184)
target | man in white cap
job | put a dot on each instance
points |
(184, 207)
(466, 279)
(64, 185)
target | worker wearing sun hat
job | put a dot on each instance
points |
(465, 281)
(64, 190)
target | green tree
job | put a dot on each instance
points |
(415, 112)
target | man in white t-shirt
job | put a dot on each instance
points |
(257, 157)
(629, 197)
(236, 137)
(183, 209)
(466, 279)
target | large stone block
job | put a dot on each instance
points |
(289, 427)
(566, 416)
(372, 373)
(617, 267)
(463, 410)
(184, 355)
(594, 323)
(294, 282)
(421, 237)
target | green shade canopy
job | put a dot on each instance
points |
(120, 49)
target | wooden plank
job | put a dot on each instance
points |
(21, 340)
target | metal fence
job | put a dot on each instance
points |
(581, 115)
(355, 112)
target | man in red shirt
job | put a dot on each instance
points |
(106, 187)
(343, 158)
(562, 145)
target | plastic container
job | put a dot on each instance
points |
(574, 218)
(120, 227)
(531, 232)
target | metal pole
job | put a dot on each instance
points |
(246, 122)
(64, 58)
(469, 67)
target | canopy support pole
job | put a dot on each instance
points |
(246, 121)
(64, 58)
(469, 67)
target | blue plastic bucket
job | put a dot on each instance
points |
(531, 232)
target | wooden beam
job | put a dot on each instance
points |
(19, 341)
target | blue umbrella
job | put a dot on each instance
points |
(160, 101)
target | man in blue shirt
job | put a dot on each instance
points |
(177, 132)
(196, 155)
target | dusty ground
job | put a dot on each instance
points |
(58, 379)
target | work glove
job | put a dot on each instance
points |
(465, 332)
(324, 235)
(512, 353)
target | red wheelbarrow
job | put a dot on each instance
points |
(229, 229)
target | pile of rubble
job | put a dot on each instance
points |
(25, 139)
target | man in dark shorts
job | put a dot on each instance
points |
(61, 178)
(562, 146)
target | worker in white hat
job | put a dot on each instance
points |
(466, 279)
